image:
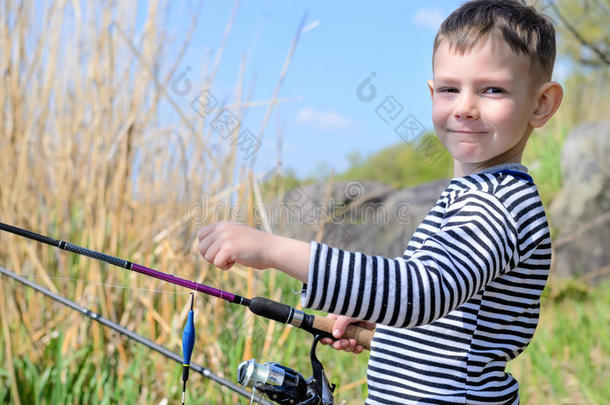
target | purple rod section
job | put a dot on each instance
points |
(125, 264)
(182, 282)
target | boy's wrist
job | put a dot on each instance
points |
(290, 256)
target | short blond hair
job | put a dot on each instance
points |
(523, 28)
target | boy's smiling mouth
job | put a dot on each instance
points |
(459, 131)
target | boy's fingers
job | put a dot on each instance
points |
(205, 231)
(204, 246)
(346, 345)
(340, 326)
(223, 260)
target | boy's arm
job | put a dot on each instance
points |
(225, 244)
(478, 240)
(291, 256)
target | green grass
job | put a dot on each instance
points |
(568, 362)
(542, 156)
(72, 379)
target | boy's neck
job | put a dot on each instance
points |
(461, 169)
(512, 155)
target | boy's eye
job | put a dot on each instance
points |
(447, 90)
(493, 90)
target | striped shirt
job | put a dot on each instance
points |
(462, 301)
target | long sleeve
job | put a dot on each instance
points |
(475, 241)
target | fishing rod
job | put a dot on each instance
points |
(281, 384)
(205, 372)
(264, 307)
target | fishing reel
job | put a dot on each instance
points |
(286, 386)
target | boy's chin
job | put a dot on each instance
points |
(467, 155)
(474, 155)
(473, 161)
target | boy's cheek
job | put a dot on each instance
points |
(440, 113)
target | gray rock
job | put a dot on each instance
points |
(581, 210)
(365, 216)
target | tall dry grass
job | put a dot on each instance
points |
(85, 157)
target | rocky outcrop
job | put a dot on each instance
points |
(581, 211)
(366, 216)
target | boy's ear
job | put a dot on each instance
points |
(548, 99)
(431, 87)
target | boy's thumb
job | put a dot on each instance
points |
(340, 326)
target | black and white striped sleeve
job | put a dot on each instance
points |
(476, 241)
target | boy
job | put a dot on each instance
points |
(464, 298)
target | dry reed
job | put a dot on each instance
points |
(84, 158)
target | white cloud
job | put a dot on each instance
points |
(324, 120)
(430, 18)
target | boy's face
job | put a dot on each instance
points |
(482, 102)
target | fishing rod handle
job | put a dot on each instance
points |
(362, 335)
(311, 323)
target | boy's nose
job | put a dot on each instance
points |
(466, 108)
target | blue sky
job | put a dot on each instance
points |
(341, 45)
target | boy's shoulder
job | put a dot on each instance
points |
(502, 185)
(509, 193)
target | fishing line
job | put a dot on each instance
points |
(264, 307)
(279, 383)
(259, 335)
(226, 367)
(152, 290)
(205, 372)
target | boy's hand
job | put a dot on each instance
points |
(348, 345)
(225, 243)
